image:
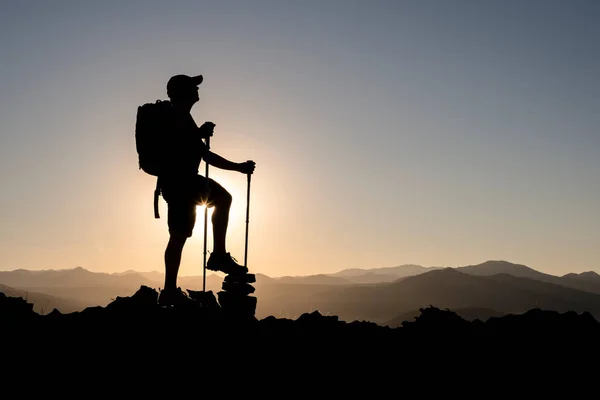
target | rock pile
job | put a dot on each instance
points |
(235, 297)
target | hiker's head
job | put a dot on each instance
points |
(184, 88)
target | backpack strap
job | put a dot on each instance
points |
(156, 194)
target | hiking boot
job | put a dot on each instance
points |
(225, 263)
(173, 297)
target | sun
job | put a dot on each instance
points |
(237, 212)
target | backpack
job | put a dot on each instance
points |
(151, 130)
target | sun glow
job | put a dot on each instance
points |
(237, 211)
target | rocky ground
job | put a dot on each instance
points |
(136, 327)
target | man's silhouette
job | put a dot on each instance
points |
(183, 188)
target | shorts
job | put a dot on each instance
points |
(182, 197)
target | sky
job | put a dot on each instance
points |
(437, 133)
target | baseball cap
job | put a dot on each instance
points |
(181, 81)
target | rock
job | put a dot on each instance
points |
(15, 308)
(144, 297)
(233, 302)
(246, 278)
(55, 314)
(234, 297)
(241, 288)
(433, 319)
(205, 299)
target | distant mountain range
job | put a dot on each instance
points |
(382, 295)
(44, 303)
(94, 288)
(453, 289)
(379, 275)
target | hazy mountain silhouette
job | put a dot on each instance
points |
(320, 279)
(44, 303)
(289, 300)
(155, 278)
(95, 288)
(588, 281)
(262, 279)
(486, 286)
(371, 278)
(492, 267)
(386, 274)
(358, 275)
(195, 282)
(447, 288)
(70, 278)
(589, 276)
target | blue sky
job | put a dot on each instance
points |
(439, 133)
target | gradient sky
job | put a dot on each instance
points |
(438, 133)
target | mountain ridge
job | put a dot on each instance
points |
(403, 270)
(450, 288)
(290, 296)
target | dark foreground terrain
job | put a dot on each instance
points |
(137, 334)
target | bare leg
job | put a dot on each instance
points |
(173, 260)
(220, 260)
(220, 220)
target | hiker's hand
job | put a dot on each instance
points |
(206, 130)
(247, 167)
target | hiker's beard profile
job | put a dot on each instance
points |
(186, 99)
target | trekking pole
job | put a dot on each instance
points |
(205, 219)
(247, 218)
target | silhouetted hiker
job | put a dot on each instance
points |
(183, 188)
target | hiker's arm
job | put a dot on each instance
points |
(217, 161)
